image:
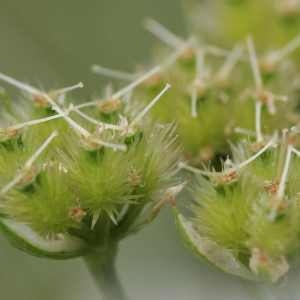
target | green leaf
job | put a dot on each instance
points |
(24, 238)
(211, 251)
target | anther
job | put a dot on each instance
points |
(109, 106)
(77, 214)
(9, 133)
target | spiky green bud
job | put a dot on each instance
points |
(76, 179)
(247, 221)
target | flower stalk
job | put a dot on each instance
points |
(103, 270)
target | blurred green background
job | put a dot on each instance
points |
(52, 44)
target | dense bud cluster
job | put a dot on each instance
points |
(78, 178)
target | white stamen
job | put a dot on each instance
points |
(254, 64)
(31, 90)
(82, 131)
(114, 146)
(61, 99)
(244, 131)
(259, 153)
(137, 82)
(108, 90)
(200, 63)
(271, 106)
(200, 66)
(115, 74)
(28, 164)
(297, 152)
(22, 86)
(94, 121)
(282, 98)
(230, 62)
(213, 50)
(139, 117)
(287, 50)
(283, 179)
(40, 150)
(163, 34)
(65, 90)
(36, 121)
(258, 130)
(182, 165)
(284, 175)
(258, 85)
(194, 100)
(126, 89)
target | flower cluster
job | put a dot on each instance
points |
(245, 219)
(220, 95)
(80, 177)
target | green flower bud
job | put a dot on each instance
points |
(74, 184)
(248, 225)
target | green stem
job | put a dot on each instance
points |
(102, 269)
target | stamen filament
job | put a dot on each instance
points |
(127, 89)
(114, 146)
(194, 100)
(65, 90)
(258, 130)
(36, 121)
(214, 50)
(139, 117)
(254, 64)
(77, 128)
(115, 74)
(288, 49)
(244, 131)
(28, 164)
(182, 165)
(200, 66)
(31, 90)
(230, 62)
(94, 121)
(284, 175)
(259, 86)
(297, 152)
(22, 86)
(200, 63)
(163, 34)
(255, 156)
(137, 82)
